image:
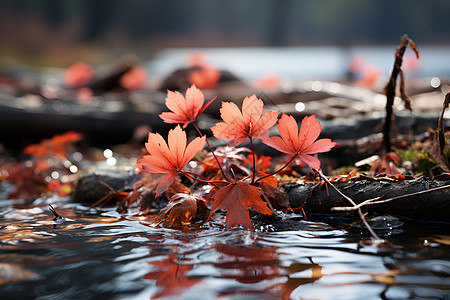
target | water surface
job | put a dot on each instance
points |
(100, 254)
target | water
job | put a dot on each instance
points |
(105, 255)
(304, 63)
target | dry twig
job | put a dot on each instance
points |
(361, 215)
(391, 85)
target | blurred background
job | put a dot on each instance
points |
(291, 46)
(57, 32)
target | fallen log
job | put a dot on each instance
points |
(429, 206)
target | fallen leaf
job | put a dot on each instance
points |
(181, 210)
(237, 198)
(57, 145)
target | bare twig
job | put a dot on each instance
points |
(104, 185)
(361, 215)
(391, 85)
(437, 149)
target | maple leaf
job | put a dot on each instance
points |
(345, 177)
(169, 158)
(25, 179)
(302, 143)
(388, 164)
(239, 126)
(185, 110)
(182, 210)
(78, 74)
(227, 157)
(59, 188)
(57, 145)
(237, 198)
(262, 162)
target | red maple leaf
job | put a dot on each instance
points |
(57, 145)
(302, 143)
(184, 110)
(263, 162)
(237, 198)
(169, 158)
(239, 126)
(388, 164)
(25, 178)
(182, 210)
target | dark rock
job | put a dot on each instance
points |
(89, 190)
(430, 206)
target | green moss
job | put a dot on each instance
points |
(342, 170)
(422, 162)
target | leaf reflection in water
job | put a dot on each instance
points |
(248, 264)
(170, 274)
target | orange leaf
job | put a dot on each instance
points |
(181, 210)
(237, 198)
(169, 158)
(57, 145)
(262, 162)
(301, 143)
(239, 126)
(184, 110)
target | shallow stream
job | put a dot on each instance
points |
(100, 254)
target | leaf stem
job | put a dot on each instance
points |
(210, 148)
(277, 171)
(213, 182)
(234, 175)
(253, 160)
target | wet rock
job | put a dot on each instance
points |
(429, 206)
(88, 189)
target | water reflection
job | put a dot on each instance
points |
(171, 276)
(102, 254)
